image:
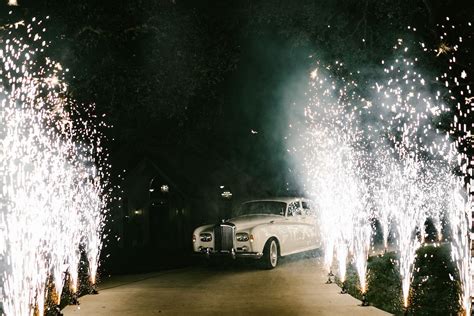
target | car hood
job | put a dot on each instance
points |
(248, 221)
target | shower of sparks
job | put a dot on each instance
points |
(385, 158)
(52, 171)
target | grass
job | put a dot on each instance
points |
(434, 289)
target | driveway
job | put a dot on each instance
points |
(296, 287)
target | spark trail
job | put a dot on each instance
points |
(385, 157)
(52, 175)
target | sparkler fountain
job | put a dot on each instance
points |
(384, 157)
(341, 191)
(51, 191)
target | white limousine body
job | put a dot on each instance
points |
(262, 229)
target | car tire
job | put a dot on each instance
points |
(270, 254)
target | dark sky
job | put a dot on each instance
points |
(187, 81)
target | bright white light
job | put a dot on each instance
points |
(226, 194)
(385, 161)
(51, 188)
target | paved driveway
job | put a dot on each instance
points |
(296, 287)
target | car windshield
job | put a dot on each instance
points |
(262, 207)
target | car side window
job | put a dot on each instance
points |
(294, 209)
(308, 208)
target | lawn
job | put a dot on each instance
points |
(434, 287)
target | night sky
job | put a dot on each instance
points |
(197, 100)
(203, 88)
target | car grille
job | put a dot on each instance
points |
(224, 237)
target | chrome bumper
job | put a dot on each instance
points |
(208, 252)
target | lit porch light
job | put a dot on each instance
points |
(226, 194)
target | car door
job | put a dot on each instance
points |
(296, 227)
(311, 218)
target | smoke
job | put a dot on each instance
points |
(386, 155)
(53, 176)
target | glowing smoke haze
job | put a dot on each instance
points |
(383, 158)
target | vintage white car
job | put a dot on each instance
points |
(262, 229)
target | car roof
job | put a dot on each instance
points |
(285, 199)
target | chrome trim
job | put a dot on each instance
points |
(209, 252)
(242, 237)
(224, 237)
(205, 237)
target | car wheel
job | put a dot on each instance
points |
(270, 254)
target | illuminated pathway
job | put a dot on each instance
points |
(295, 287)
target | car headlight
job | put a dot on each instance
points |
(206, 237)
(242, 236)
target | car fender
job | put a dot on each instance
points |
(262, 233)
(200, 229)
(198, 242)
